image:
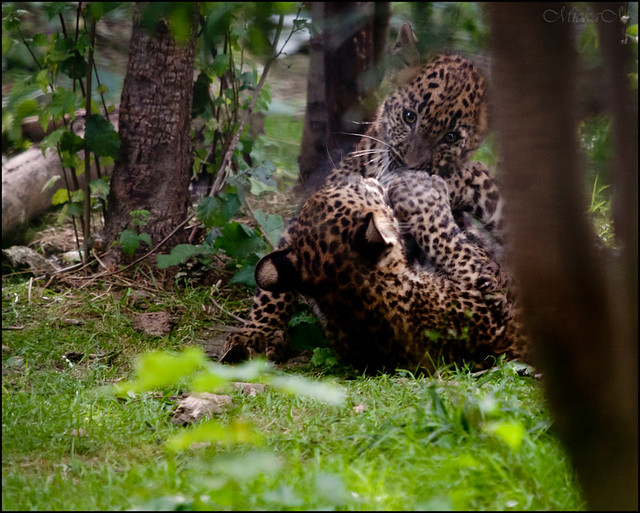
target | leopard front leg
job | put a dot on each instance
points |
(472, 189)
(421, 205)
(265, 331)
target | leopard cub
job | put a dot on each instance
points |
(344, 252)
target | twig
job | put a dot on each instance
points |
(221, 308)
(87, 153)
(143, 257)
(223, 172)
(102, 264)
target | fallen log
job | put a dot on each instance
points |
(24, 177)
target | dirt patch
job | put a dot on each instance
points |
(155, 324)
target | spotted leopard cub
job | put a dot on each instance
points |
(434, 121)
(345, 253)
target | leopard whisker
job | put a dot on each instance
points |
(366, 136)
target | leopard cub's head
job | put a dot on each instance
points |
(437, 118)
(341, 236)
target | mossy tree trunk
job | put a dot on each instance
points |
(154, 169)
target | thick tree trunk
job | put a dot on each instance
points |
(155, 113)
(583, 324)
(343, 75)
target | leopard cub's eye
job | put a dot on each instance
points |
(409, 117)
(451, 137)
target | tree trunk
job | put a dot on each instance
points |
(343, 75)
(583, 324)
(155, 113)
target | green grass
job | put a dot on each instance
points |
(453, 441)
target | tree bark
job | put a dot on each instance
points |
(343, 75)
(573, 308)
(154, 168)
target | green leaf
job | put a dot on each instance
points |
(245, 275)
(236, 432)
(62, 102)
(239, 241)
(100, 187)
(207, 381)
(179, 255)
(52, 140)
(258, 187)
(101, 137)
(99, 9)
(74, 66)
(129, 241)
(218, 210)
(297, 385)
(26, 108)
(260, 178)
(70, 142)
(77, 196)
(60, 196)
(75, 209)
(50, 182)
(159, 369)
(272, 226)
(307, 336)
(72, 161)
(7, 43)
(42, 79)
(146, 238)
(53, 9)
(511, 433)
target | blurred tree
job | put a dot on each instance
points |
(346, 48)
(154, 168)
(580, 304)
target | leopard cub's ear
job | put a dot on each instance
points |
(277, 271)
(405, 49)
(369, 239)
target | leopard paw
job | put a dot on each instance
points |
(247, 343)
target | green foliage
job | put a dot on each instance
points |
(53, 90)
(233, 34)
(452, 25)
(595, 139)
(225, 86)
(191, 367)
(180, 254)
(306, 332)
(131, 238)
(101, 137)
(218, 210)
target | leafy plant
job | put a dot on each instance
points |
(130, 238)
(63, 65)
(225, 94)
